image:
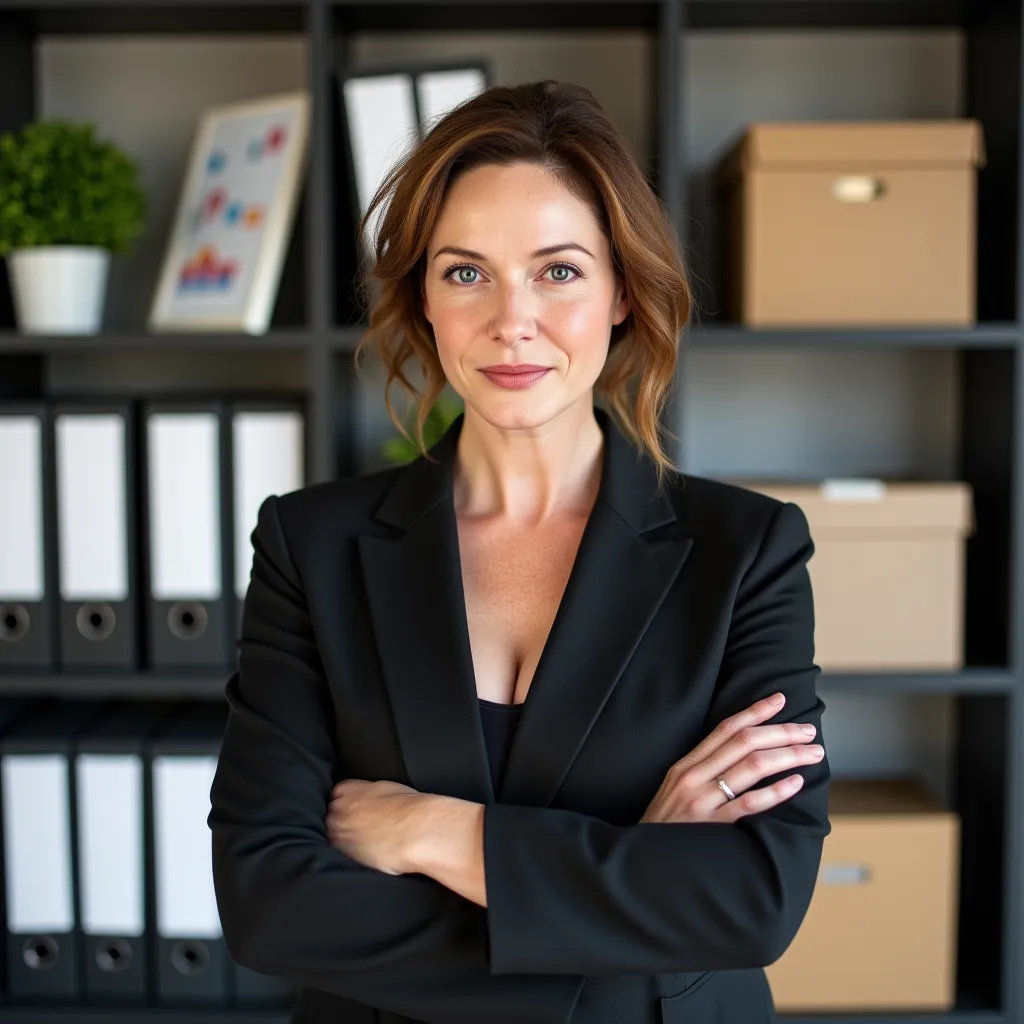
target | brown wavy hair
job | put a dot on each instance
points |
(561, 127)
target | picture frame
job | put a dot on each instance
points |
(235, 214)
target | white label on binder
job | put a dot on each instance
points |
(853, 490)
(37, 843)
(381, 126)
(184, 506)
(439, 92)
(268, 459)
(111, 844)
(92, 511)
(186, 903)
(22, 576)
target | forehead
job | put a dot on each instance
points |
(520, 199)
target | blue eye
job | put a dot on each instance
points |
(460, 267)
(564, 266)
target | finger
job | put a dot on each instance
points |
(745, 775)
(755, 801)
(748, 740)
(765, 763)
(758, 712)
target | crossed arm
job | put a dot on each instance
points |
(566, 894)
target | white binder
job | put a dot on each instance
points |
(93, 448)
(26, 601)
(186, 526)
(267, 457)
(438, 92)
(112, 848)
(380, 110)
(40, 927)
(192, 960)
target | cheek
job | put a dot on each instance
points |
(581, 328)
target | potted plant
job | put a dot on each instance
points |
(68, 201)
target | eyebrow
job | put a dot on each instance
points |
(548, 250)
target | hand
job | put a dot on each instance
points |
(373, 823)
(742, 751)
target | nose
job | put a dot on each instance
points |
(514, 317)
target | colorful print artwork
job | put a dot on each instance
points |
(233, 202)
(242, 184)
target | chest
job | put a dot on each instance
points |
(513, 580)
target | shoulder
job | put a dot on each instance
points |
(339, 507)
(729, 517)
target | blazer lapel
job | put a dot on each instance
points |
(414, 587)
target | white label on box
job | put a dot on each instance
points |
(845, 874)
(853, 490)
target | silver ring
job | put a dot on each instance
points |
(726, 790)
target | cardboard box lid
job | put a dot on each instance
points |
(853, 145)
(864, 505)
(885, 796)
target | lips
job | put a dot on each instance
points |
(515, 377)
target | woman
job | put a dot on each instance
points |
(522, 732)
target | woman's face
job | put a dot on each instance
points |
(519, 272)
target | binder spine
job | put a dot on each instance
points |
(184, 629)
(28, 630)
(41, 936)
(100, 629)
(192, 961)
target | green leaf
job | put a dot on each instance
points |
(398, 451)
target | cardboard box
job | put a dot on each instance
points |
(887, 572)
(852, 223)
(880, 933)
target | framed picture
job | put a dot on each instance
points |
(236, 211)
(387, 110)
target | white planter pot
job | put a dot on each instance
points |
(59, 289)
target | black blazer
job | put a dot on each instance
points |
(682, 608)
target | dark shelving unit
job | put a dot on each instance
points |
(316, 323)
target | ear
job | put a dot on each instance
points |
(621, 308)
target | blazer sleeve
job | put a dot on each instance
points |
(291, 905)
(570, 892)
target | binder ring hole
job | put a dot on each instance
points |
(40, 952)
(190, 958)
(114, 956)
(95, 620)
(14, 622)
(187, 620)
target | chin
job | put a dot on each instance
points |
(519, 412)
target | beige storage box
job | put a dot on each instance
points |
(887, 572)
(851, 223)
(880, 933)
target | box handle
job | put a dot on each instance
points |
(845, 874)
(858, 188)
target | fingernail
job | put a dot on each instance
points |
(777, 698)
(816, 749)
(807, 728)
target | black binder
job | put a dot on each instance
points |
(277, 466)
(187, 528)
(27, 617)
(192, 962)
(111, 785)
(98, 619)
(41, 935)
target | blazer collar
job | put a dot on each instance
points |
(414, 588)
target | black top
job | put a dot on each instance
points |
(499, 722)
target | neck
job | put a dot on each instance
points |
(528, 474)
